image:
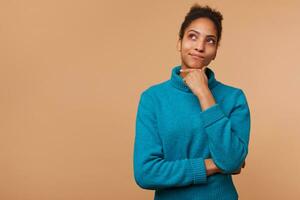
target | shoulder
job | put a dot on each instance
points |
(155, 89)
(230, 95)
(148, 97)
(228, 90)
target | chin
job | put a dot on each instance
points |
(196, 66)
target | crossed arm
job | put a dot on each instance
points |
(207, 100)
(197, 81)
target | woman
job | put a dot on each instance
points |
(192, 131)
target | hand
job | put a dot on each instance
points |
(211, 167)
(196, 80)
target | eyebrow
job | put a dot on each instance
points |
(200, 33)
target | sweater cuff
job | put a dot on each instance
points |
(211, 115)
(198, 170)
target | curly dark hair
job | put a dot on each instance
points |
(197, 11)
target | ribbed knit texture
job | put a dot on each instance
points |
(174, 136)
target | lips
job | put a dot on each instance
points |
(197, 56)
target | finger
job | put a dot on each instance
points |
(188, 70)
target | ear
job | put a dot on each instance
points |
(179, 45)
(215, 54)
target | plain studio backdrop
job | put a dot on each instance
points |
(71, 73)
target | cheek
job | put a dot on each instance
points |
(186, 46)
(211, 53)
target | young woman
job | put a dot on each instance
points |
(192, 131)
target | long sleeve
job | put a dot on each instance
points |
(228, 136)
(151, 169)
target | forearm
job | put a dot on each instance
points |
(206, 99)
(228, 135)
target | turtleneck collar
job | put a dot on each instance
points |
(177, 81)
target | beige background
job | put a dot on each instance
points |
(70, 77)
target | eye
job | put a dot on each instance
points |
(192, 36)
(211, 41)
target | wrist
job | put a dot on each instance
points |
(202, 92)
(206, 101)
(211, 168)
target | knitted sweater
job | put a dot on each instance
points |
(173, 137)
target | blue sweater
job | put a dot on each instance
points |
(174, 136)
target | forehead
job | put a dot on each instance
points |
(203, 26)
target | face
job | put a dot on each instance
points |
(198, 47)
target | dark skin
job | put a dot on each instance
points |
(198, 48)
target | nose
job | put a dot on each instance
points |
(200, 46)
